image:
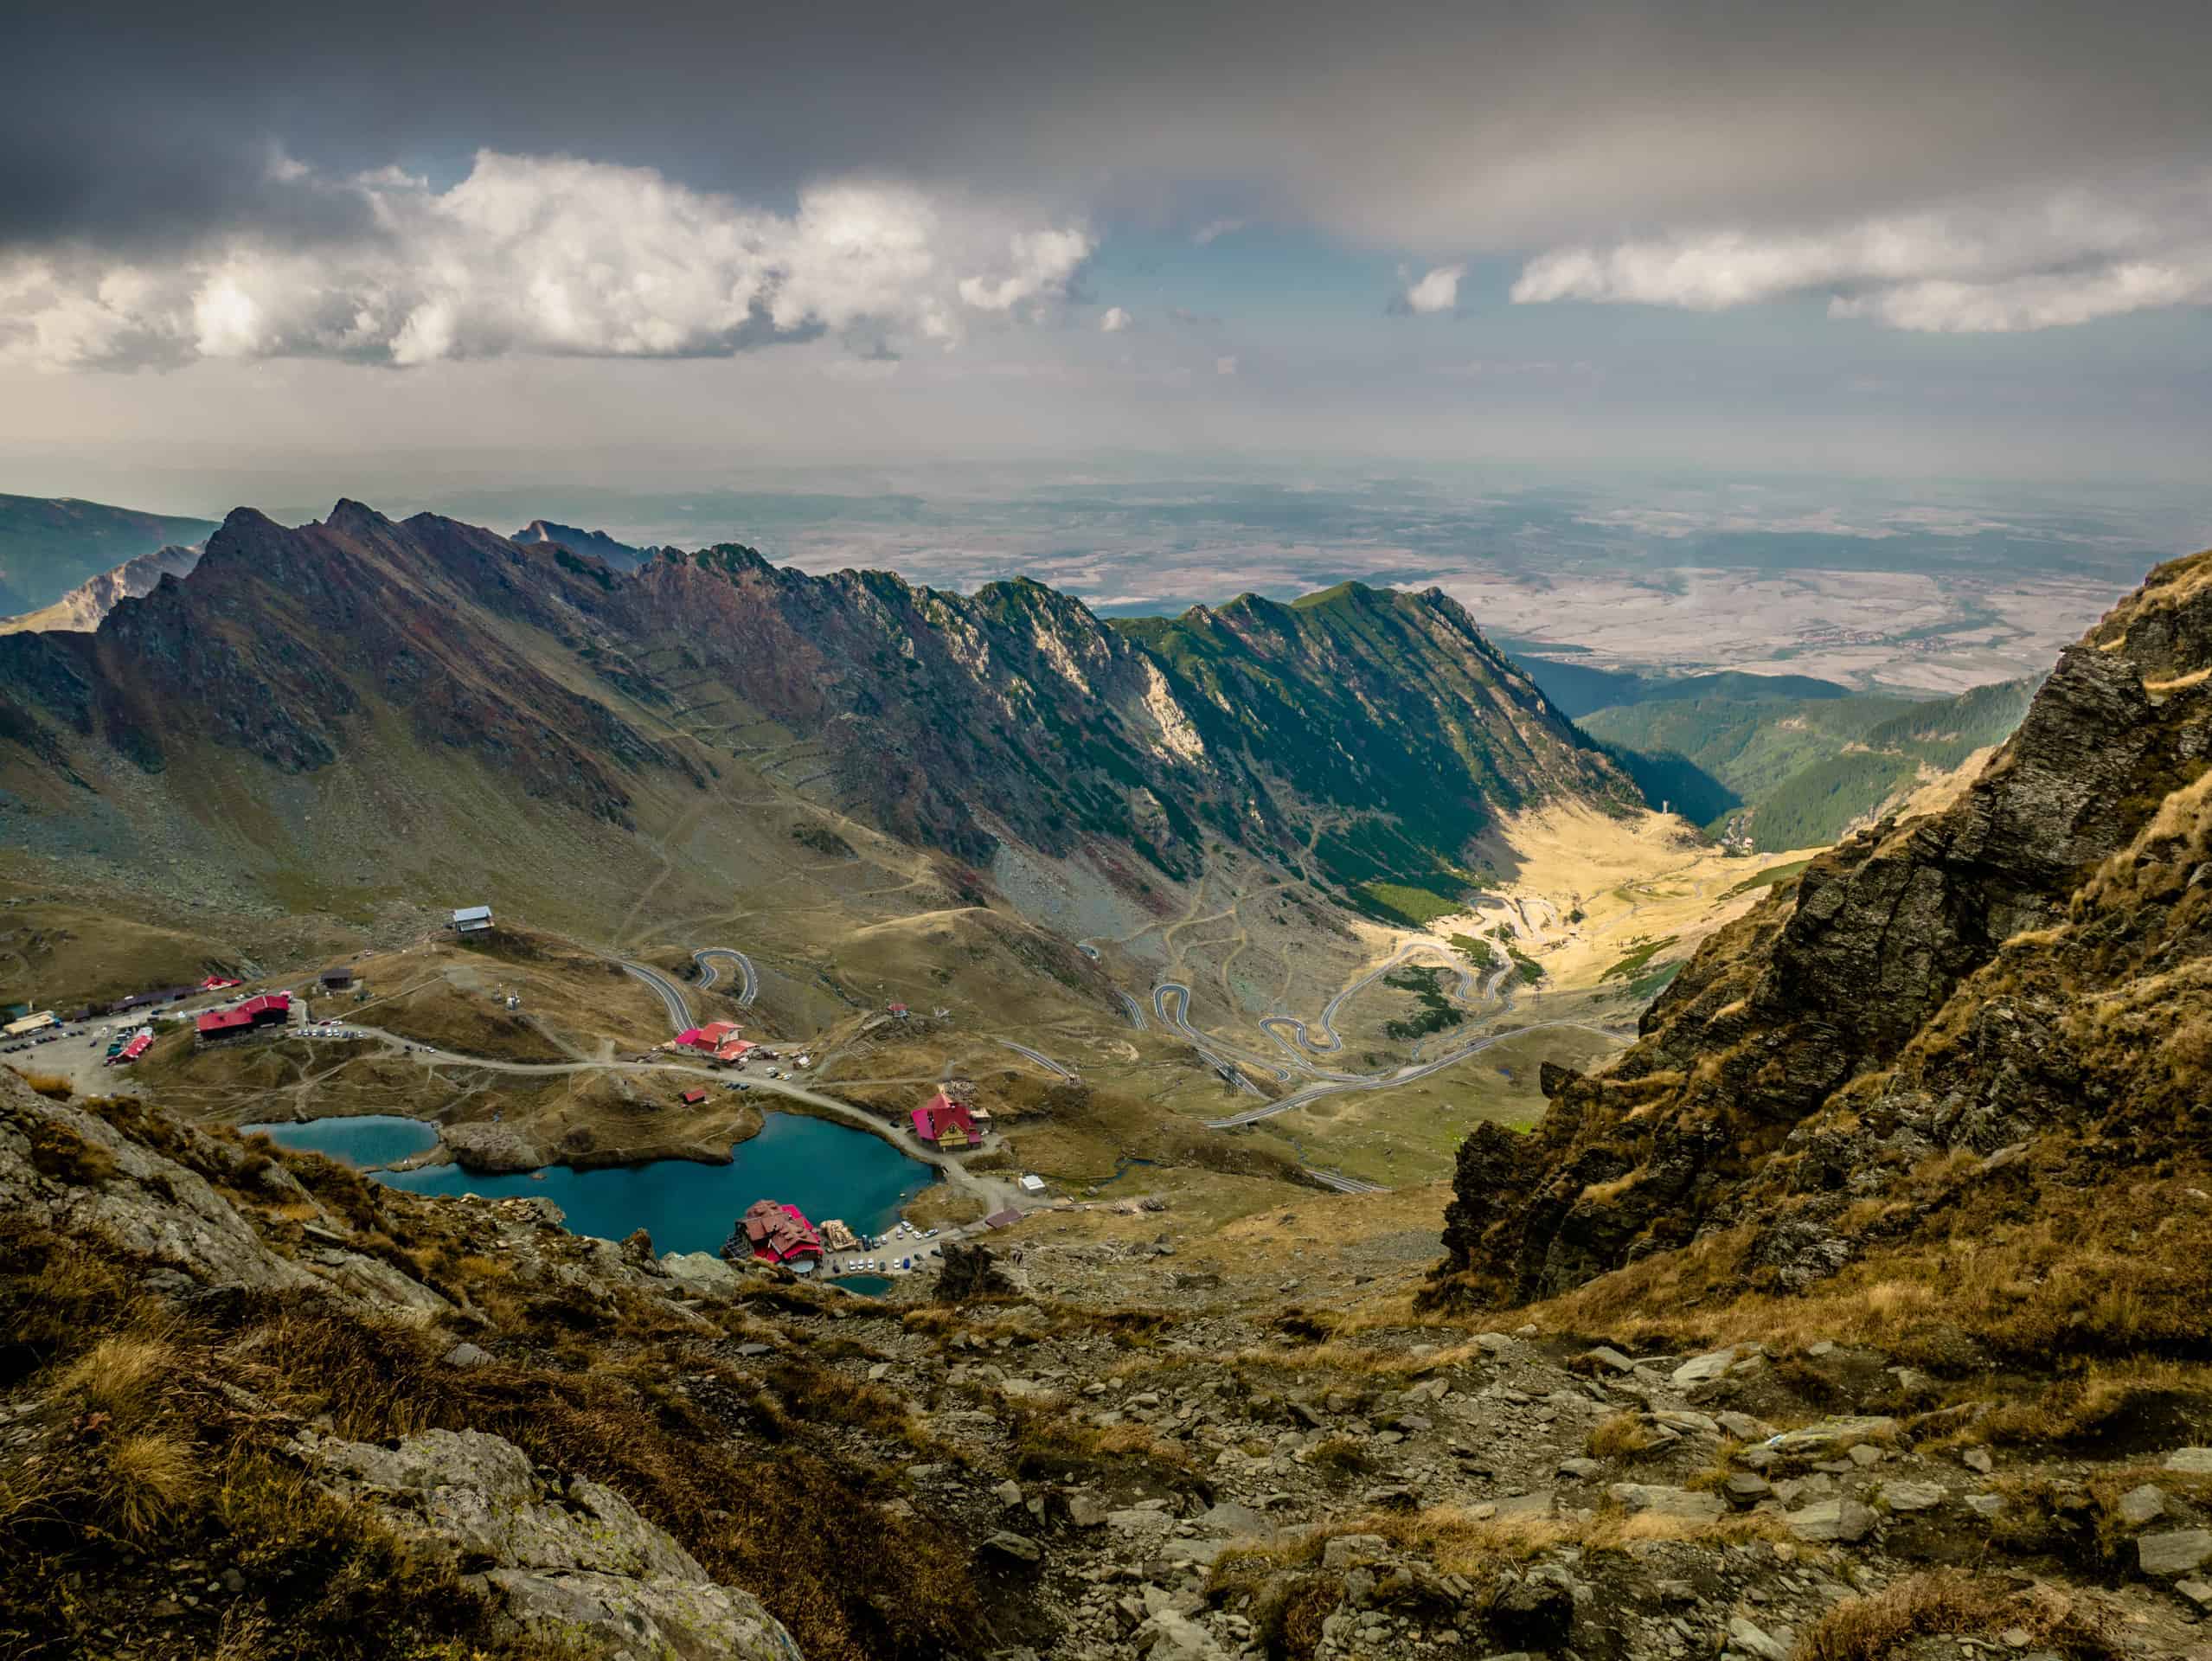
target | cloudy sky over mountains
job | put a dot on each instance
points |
(1975, 236)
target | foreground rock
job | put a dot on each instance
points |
(568, 1562)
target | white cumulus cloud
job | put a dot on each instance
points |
(548, 255)
(1114, 321)
(1436, 291)
(1971, 267)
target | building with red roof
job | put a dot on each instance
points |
(136, 1047)
(717, 1038)
(693, 1098)
(780, 1233)
(269, 1009)
(945, 1123)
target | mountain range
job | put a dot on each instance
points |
(306, 692)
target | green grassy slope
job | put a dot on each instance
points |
(1804, 767)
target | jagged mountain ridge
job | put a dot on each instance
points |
(2022, 976)
(50, 544)
(951, 721)
(81, 609)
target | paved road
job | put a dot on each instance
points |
(749, 980)
(1132, 1008)
(1040, 1058)
(1223, 1058)
(1333, 1086)
(671, 994)
(1465, 992)
(1344, 1184)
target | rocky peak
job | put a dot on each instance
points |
(1890, 964)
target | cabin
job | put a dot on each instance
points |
(947, 1124)
(472, 919)
(254, 1015)
(781, 1233)
(1032, 1183)
(217, 983)
(693, 1098)
(339, 980)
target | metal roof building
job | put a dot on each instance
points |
(470, 919)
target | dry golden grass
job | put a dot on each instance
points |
(2093, 1270)
(150, 1478)
(55, 1086)
(1947, 1603)
(1621, 1436)
(1051, 1445)
(120, 1375)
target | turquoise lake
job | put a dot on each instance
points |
(373, 1139)
(826, 1169)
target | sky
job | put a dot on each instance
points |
(258, 244)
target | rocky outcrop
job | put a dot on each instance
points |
(567, 1560)
(68, 1169)
(1887, 975)
(485, 1149)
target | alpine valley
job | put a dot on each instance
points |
(1247, 1133)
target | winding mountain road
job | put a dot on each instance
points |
(671, 994)
(1341, 1082)
(748, 977)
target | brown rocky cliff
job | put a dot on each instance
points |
(1835, 981)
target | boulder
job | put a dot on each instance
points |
(569, 1564)
(1844, 1521)
(701, 1274)
(2178, 1551)
(2190, 1461)
(1752, 1640)
(1011, 1547)
(1532, 1614)
(1746, 1490)
(1349, 1550)
(2140, 1507)
(1704, 1370)
(1913, 1496)
(1640, 1499)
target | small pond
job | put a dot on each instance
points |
(371, 1139)
(825, 1168)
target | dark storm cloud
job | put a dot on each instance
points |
(1507, 125)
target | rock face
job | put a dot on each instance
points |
(569, 1561)
(968, 1271)
(1920, 972)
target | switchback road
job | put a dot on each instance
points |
(748, 980)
